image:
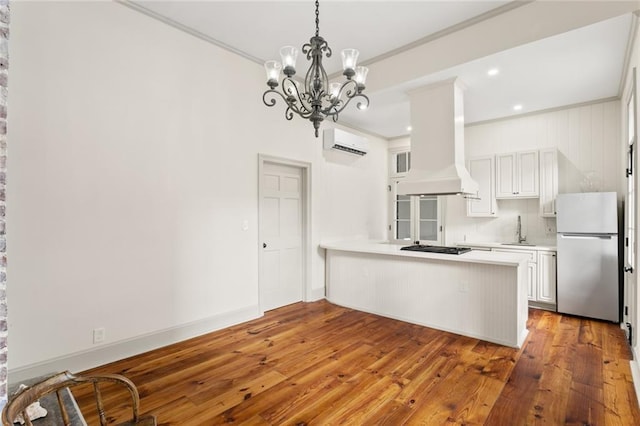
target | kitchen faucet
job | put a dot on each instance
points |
(521, 239)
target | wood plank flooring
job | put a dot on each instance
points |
(321, 364)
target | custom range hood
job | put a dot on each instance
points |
(437, 143)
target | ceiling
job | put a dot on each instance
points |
(576, 66)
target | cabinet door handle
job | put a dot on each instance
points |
(628, 269)
(264, 245)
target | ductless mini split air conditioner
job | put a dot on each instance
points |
(345, 141)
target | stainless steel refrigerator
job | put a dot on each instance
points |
(587, 226)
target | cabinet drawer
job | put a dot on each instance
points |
(533, 256)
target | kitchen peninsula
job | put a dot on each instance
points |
(478, 294)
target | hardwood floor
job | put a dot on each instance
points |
(317, 363)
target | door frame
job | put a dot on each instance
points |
(305, 169)
(630, 306)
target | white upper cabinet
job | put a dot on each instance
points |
(517, 175)
(482, 170)
(528, 174)
(548, 182)
(505, 175)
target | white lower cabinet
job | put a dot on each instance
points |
(541, 272)
(547, 277)
(532, 269)
(532, 273)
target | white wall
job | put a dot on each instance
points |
(132, 164)
(588, 143)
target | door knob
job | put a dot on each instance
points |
(264, 245)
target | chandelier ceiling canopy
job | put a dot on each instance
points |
(316, 98)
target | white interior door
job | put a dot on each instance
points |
(281, 272)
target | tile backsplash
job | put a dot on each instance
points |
(460, 228)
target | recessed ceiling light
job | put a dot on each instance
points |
(517, 107)
(408, 128)
(493, 72)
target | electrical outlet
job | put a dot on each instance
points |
(98, 335)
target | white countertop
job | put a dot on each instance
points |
(538, 247)
(473, 256)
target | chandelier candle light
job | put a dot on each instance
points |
(318, 98)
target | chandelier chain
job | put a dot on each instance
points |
(317, 18)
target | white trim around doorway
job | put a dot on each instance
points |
(305, 167)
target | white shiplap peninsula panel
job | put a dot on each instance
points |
(485, 301)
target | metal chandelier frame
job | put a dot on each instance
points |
(317, 99)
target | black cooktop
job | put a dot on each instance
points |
(437, 249)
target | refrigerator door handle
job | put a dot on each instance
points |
(586, 237)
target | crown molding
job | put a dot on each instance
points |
(138, 8)
(544, 111)
(635, 22)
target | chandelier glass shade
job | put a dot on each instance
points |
(316, 98)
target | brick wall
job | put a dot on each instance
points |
(4, 71)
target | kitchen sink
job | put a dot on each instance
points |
(518, 244)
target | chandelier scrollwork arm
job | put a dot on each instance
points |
(350, 89)
(272, 98)
(293, 97)
(269, 99)
(288, 113)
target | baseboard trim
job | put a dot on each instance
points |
(635, 373)
(84, 360)
(544, 306)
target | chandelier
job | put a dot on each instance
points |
(317, 98)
